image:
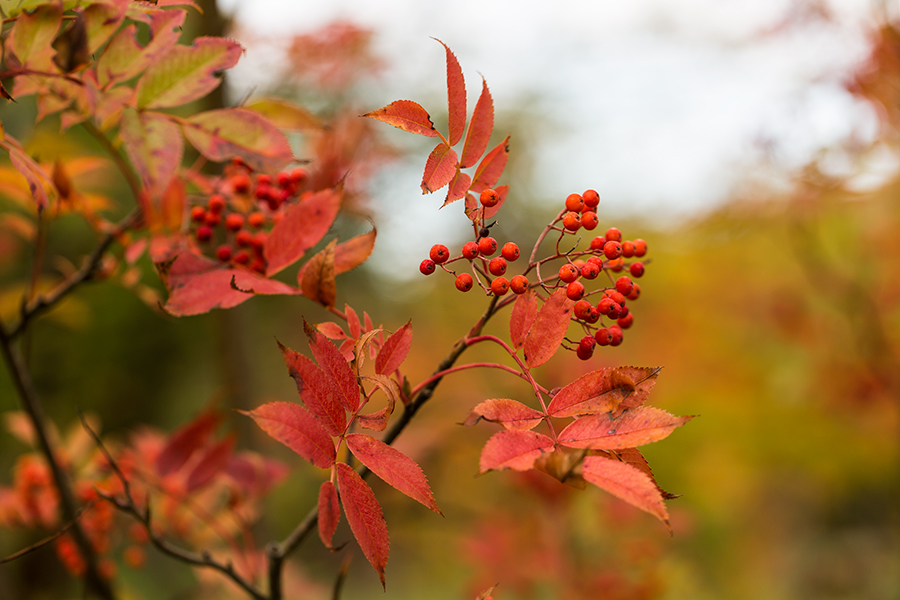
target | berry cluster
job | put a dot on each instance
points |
(233, 223)
(480, 254)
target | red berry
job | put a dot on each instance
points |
(243, 238)
(426, 267)
(213, 219)
(198, 214)
(616, 332)
(572, 221)
(591, 198)
(240, 183)
(598, 242)
(439, 253)
(569, 273)
(627, 249)
(593, 315)
(519, 284)
(464, 282)
(263, 192)
(640, 247)
(256, 220)
(575, 290)
(242, 257)
(605, 305)
(259, 240)
(223, 253)
(586, 347)
(487, 246)
(204, 233)
(589, 220)
(613, 234)
(299, 175)
(582, 309)
(489, 197)
(500, 286)
(617, 264)
(590, 270)
(574, 203)
(635, 293)
(603, 336)
(497, 266)
(284, 180)
(234, 221)
(263, 179)
(615, 311)
(470, 250)
(615, 296)
(625, 321)
(637, 270)
(612, 249)
(510, 251)
(624, 285)
(216, 203)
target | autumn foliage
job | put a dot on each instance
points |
(119, 72)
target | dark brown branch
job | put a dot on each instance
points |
(40, 544)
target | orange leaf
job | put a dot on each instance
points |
(626, 482)
(354, 252)
(440, 168)
(407, 115)
(491, 167)
(480, 128)
(459, 185)
(524, 311)
(549, 329)
(395, 468)
(515, 450)
(317, 277)
(377, 420)
(329, 512)
(509, 413)
(456, 97)
(633, 457)
(365, 517)
(634, 428)
(603, 390)
(294, 427)
(301, 228)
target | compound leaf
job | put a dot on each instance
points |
(515, 450)
(297, 429)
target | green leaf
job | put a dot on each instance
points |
(32, 37)
(222, 134)
(124, 57)
(154, 144)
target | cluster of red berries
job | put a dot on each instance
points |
(484, 247)
(235, 220)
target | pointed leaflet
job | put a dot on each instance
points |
(456, 97)
(154, 145)
(38, 181)
(480, 128)
(318, 391)
(211, 465)
(491, 167)
(396, 469)
(506, 412)
(32, 35)
(515, 450)
(634, 428)
(100, 22)
(334, 365)
(458, 187)
(347, 256)
(294, 427)
(440, 168)
(222, 134)
(124, 57)
(198, 284)
(329, 512)
(394, 350)
(633, 457)
(644, 379)
(317, 277)
(626, 482)
(184, 442)
(377, 420)
(549, 329)
(407, 115)
(365, 517)
(301, 228)
(186, 73)
(524, 311)
(603, 390)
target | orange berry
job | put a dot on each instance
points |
(640, 247)
(568, 273)
(470, 250)
(510, 251)
(464, 282)
(497, 266)
(500, 286)
(519, 284)
(234, 221)
(216, 203)
(613, 235)
(487, 246)
(256, 220)
(572, 221)
(135, 557)
(628, 249)
(575, 290)
(198, 214)
(589, 220)
(591, 198)
(575, 203)
(489, 197)
(612, 249)
(439, 253)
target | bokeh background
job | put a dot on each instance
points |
(753, 145)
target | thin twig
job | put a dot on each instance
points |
(40, 544)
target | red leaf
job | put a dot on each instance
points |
(317, 389)
(491, 167)
(407, 115)
(395, 468)
(603, 390)
(184, 442)
(634, 428)
(377, 420)
(352, 321)
(365, 517)
(549, 329)
(456, 97)
(480, 128)
(524, 311)
(515, 450)
(213, 462)
(294, 427)
(394, 350)
(198, 284)
(644, 379)
(633, 457)
(316, 278)
(354, 252)
(329, 512)
(301, 228)
(440, 168)
(335, 366)
(626, 482)
(331, 330)
(459, 185)
(509, 413)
